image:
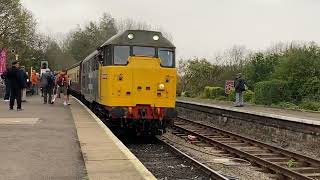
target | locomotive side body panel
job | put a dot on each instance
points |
(90, 79)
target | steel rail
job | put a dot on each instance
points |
(210, 172)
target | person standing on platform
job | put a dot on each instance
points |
(62, 82)
(240, 87)
(15, 81)
(7, 87)
(34, 82)
(24, 77)
(47, 86)
(68, 91)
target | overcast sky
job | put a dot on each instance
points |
(198, 27)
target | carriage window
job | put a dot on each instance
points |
(121, 55)
(144, 51)
(166, 57)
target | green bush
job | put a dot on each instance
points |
(232, 95)
(207, 92)
(311, 89)
(185, 94)
(213, 92)
(248, 96)
(310, 105)
(271, 92)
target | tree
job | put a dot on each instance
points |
(260, 68)
(195, 74)
(83, 41)
(298, 66)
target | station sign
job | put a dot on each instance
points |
(229, 85)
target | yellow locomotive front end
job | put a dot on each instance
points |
(137, 85)
(141, 82)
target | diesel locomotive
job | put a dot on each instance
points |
(129, 81)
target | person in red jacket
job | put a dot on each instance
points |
(63, 83)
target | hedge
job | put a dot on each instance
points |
(247, 95)
(271, 92)
(310, 105)
(213, 92)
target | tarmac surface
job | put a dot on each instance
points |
(59, 142)
(39, 143)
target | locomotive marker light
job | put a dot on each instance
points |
(130, 36)
(161, 87)
(156, 37)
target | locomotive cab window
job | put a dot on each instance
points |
(144, 51)
(121, 55)
(166, 57)
(107, 56)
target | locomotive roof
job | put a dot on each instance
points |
(141, 38)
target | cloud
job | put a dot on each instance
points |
(199, 28)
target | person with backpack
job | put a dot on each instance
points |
(63, 83)
(47, 84)
(240, 87)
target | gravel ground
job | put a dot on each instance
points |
(223, 164)
(307, 148)
(162, 163)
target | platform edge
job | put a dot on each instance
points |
(147, 175)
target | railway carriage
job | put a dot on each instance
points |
(130, 81)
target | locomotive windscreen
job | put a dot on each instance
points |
(144, 51)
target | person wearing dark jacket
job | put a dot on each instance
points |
(24, 82)
(15, 81)
(47, 84)
(239, 85)
(7, 87)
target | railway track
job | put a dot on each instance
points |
(211, 174)
(167, 162)
(286, 164)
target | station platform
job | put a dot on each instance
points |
(61, 142)
(312, 118)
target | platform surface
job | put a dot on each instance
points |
(284, 114)
(61, 143)
(39, 143)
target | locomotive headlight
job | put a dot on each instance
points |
(161, 87)
(156, 37)
(130, 36)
